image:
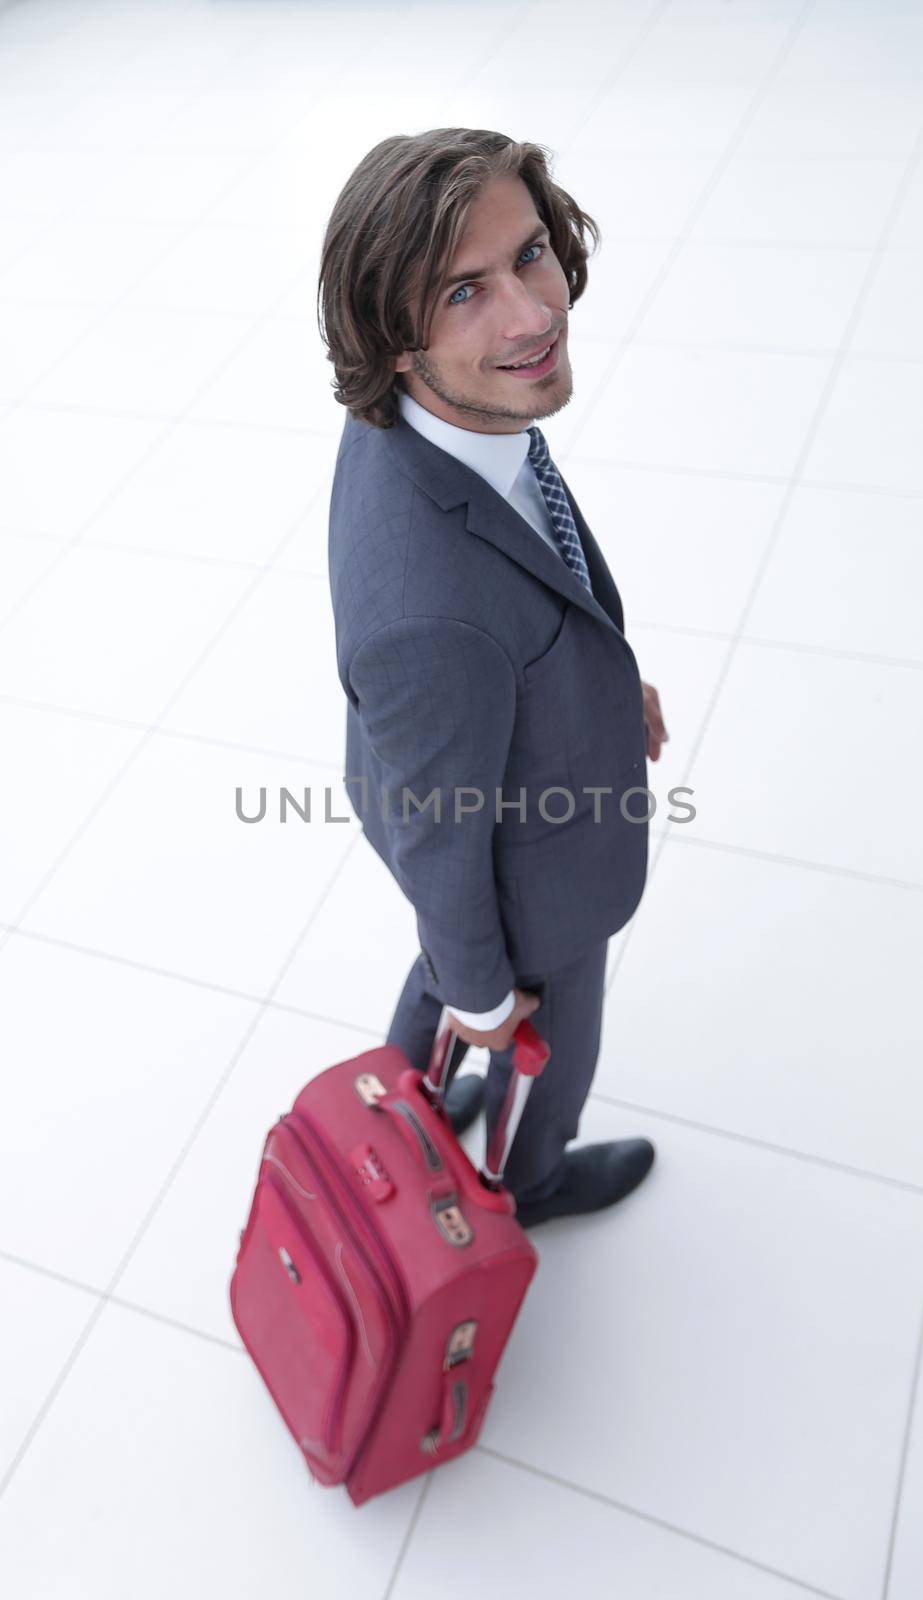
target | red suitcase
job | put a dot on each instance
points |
(380, 1273)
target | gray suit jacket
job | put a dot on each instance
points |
(473, 658)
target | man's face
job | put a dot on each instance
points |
(500, 315)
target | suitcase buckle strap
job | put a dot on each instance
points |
(460, 1344)
(369, 1088)
(454, 1416)
(449, 1218)
(455, 1395)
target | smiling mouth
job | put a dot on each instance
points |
(537, 365)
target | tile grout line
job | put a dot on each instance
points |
(212, 742)
(722, 475)
(85, 1334)
(86, 409)
(66, 1368)
(786, 352)
(264, 1004)
(189, 558)
(902, 1466)
(115, 959)
(566, 455)
(647, 25)
(147, 552)
(248, 1033)
(872, 269)
(820, 158)
(295, 574)
(108, 1293)
(409, 1532)
(174, 420)
(242, 600)
(648, 1516)
(732, 241)
(80, 1287)
(750, 852)
(798, 646)
(705, 346)
(811, 431)
(576, 1487)
(46, 225)
(636, 321)
(806, 1157)
(69, 1362)
(517, 1464)
(722, 161)
(150, 730)
(88, 89)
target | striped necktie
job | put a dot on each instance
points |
(562, 518)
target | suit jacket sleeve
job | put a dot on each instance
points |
(437, 701)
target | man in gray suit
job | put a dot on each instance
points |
(497, 724)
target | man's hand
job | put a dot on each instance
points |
(655, 732)
(498, 1038)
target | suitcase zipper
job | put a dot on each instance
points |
(336, 1193)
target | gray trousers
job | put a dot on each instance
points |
(569, 1018)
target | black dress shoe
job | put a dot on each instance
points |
(464, 1100)
(597, 1175)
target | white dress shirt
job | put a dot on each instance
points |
(503, 459)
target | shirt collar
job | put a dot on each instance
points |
(498, 457)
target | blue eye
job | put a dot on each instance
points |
(452, 300)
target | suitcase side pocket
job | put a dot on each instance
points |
(293, 1320)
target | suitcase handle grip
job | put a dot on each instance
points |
(412, 1130)
(530, 1056)
(530, 1053)
(447, 1169)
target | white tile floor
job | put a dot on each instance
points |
(715, 1390)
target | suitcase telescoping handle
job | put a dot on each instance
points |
(530, 1055)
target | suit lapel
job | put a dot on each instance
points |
(450, 483)
(492, 517)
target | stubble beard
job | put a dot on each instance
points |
(544, 402)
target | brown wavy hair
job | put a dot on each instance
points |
(391, 238)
